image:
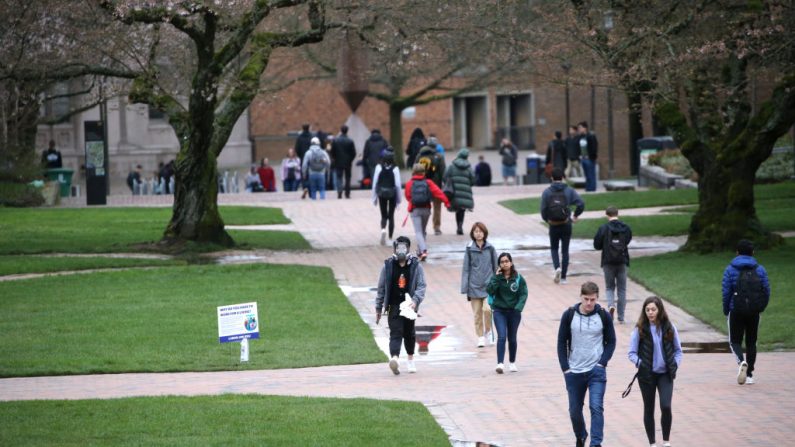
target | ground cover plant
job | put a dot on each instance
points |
(102, 230)
(19, 264)
(649, 198)
(219, 420)
(693, 282)
(165, 320)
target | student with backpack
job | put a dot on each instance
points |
(316, 163)
(507, 291)
(419, 191)
(746, 293)
(434, 165)
(556, 202)
(612, 239)
(386, 192)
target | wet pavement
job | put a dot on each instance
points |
(456, 380)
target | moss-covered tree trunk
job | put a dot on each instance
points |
(396, 132)
(726, 153)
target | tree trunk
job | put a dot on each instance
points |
(396, 133)
(634, 100)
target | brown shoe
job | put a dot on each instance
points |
(306, 191)
(612, 312)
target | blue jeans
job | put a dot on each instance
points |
(589, 168)
(317, 183)
(290, 185)
(595, 382)
(559, 236)
(506, 321)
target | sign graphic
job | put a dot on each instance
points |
(237, 322)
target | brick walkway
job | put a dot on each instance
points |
(456, 381)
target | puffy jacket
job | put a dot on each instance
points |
(460, 172)
(731, 274)
(479, 265)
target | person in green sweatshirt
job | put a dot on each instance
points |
(507, 291)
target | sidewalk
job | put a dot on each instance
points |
(456, 380)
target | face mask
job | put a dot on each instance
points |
(402, 252)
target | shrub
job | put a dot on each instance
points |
(673, 162)
(20, 195)
(777, 168)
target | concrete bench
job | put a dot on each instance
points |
(656, 177)
(617, 185)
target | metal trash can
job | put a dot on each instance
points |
(535, 169)
(62, 176)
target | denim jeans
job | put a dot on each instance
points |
(559, 236)
(290, 185)
(589, 168)
(595, 382)
(506, 322)
(342, 181)
(616, 278)
(317, 183)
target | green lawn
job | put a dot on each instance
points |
(225, 420)
(650, 198)
(693, 282)
(165, 320)
(776, 215)
(100, 230)
(17, 264)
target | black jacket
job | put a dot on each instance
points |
(646, 353)
(615, 226)
(343, 151)
(302, 144)
(556, 154)
(372, 150)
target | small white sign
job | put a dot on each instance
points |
(237, 322)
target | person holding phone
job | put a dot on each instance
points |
(507, 291)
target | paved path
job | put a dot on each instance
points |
(456, 381)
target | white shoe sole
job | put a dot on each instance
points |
(499, 370)
(742, 373)
(557, 276)
(394, 366)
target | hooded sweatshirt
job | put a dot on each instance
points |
(731, 274)
(585, 340)
(614, 226)
(314, 149)
(572, 198)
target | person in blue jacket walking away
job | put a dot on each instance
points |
(507, 291)
(746, 293)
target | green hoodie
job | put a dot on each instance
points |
(504, 297)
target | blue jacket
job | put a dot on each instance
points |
(731, 274)
(572, 198)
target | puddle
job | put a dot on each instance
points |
(705, 347)
(425, 335)
(238, 259)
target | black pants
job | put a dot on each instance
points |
(387, 214)
(559, 236)
(663, 384)
(346, 186)
(459, 218)
(400, 330)
(744, 325)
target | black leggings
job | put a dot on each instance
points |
(387, 214)
(665, 386)
(744, 326)
(401, 330)
(459, 218)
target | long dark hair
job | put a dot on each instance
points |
(662, 318)
(507, 255)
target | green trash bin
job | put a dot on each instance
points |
(62, 176)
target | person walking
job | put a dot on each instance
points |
(480, 260)
(746, 294)
(343, 152)
(556, 152)
(419, 191)
(589, 148)
(556, 202)
(372, 152)
(416, 142)
(573, 153)
(482, 172)
(613, 239)
(458, 180)
(291, 171)
(509, 155)
(507, 291)
(434, 165)
(401, 279)
(315, 165)
(586, 342)
(655, 349)
(386, 192)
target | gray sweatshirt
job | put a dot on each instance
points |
(479, 266)
(586, 342)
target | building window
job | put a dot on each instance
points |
(515, 120)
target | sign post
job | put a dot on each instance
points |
(238, 322)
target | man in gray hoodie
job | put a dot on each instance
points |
(613, 238)
(586, 342)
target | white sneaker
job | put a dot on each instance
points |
(564, 281)
(411, 366)
(741, 373)
(512, 367)
(557, 275)
(394, 365)
(481, 342)
(383, 236)
(491, 337)
(500, 368)
(749, 381)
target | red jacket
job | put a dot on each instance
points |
(267, 178)
(435, 191)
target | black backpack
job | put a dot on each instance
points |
(558, 206)
(615, 247)
(749, 297)
(385, 184)
(420, 193)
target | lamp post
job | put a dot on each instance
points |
(566, 66)
(608, 26)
